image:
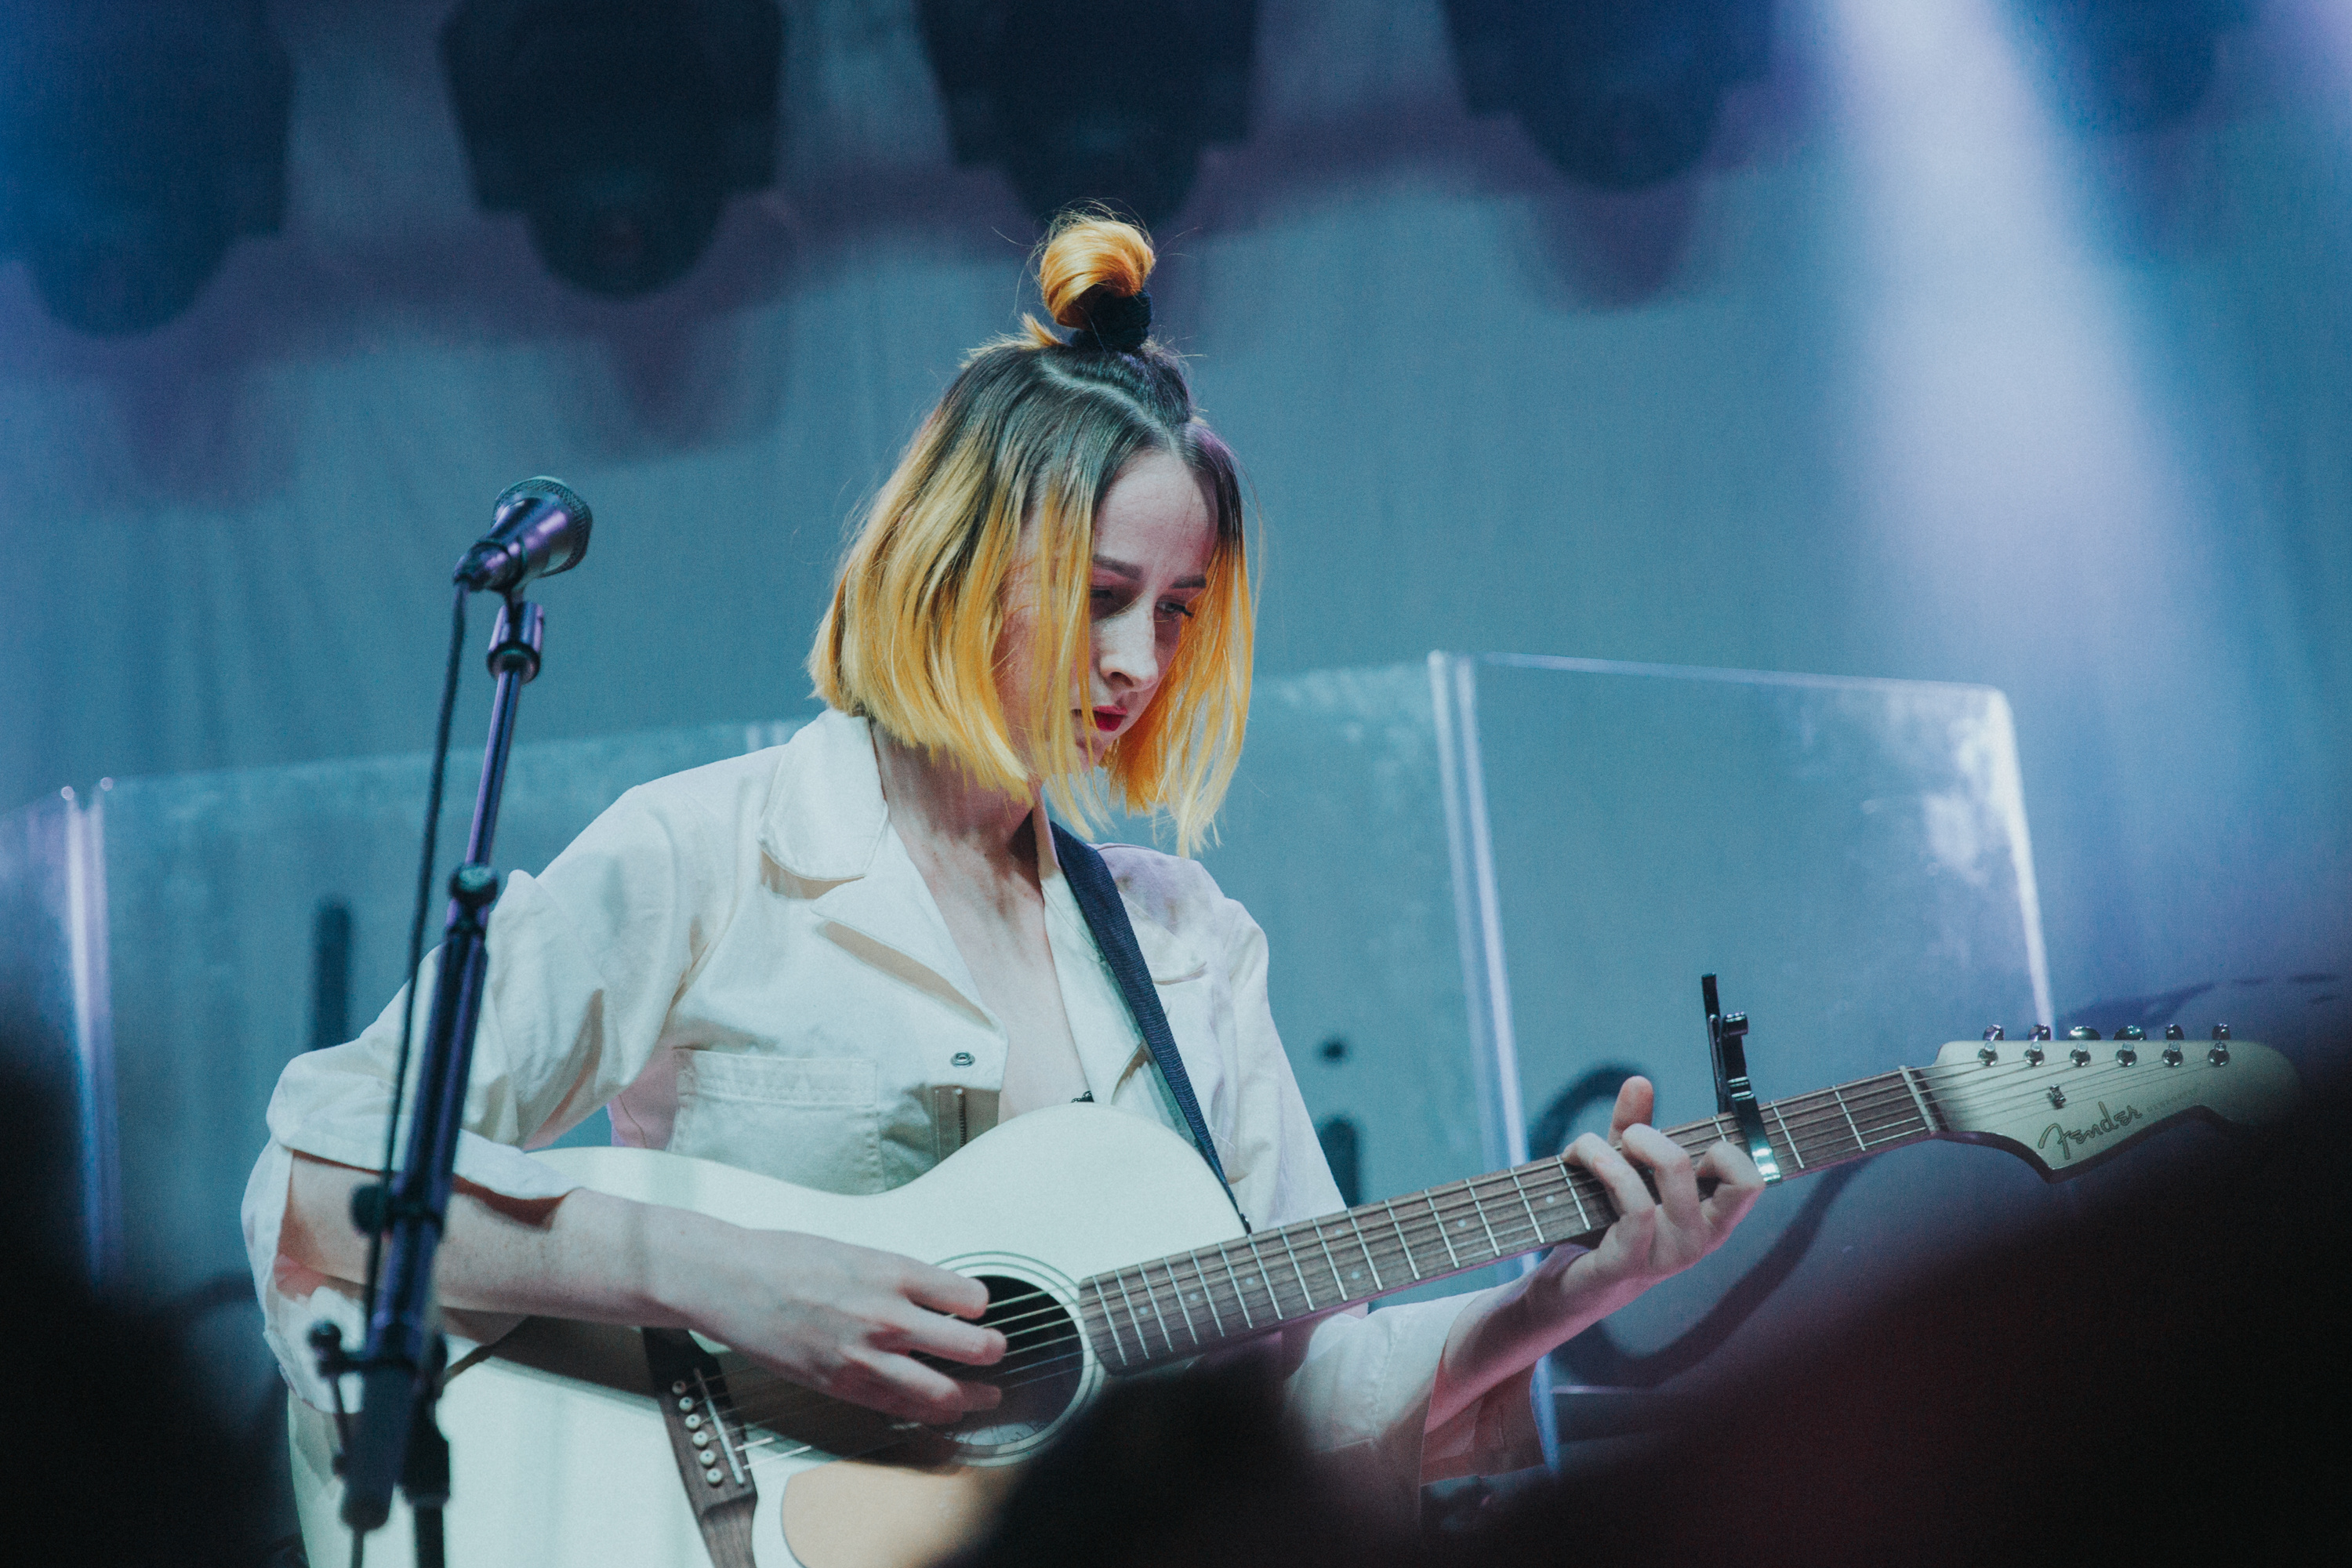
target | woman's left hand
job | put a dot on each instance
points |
(1654, 1236)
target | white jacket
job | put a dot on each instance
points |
(744, 965)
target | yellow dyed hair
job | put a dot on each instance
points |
(1031, 434)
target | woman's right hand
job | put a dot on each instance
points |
(846, 1320)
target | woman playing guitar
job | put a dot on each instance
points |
(834, 961)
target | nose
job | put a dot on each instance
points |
(1127, 652)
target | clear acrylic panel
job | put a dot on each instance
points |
(1851, 857)
(54, 1025)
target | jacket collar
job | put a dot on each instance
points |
(828, 827)
(826, 817)
(826, 823)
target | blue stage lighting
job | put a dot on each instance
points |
(1105, 100)
(139, 140)
(2131, 65)
(618, 128)
(1617, 94)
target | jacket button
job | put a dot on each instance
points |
(962, 1060)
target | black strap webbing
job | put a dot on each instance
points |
(1097, 894)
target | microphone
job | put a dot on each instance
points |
(539, 528)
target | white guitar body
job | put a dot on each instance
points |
(555, 1470)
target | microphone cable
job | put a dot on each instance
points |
(416, 937)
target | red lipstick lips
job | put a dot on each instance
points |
(1109, 718)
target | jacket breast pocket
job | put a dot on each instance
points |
(813, 1121)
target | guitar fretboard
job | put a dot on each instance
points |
(1173, 1307)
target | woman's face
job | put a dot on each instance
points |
(1154, 535)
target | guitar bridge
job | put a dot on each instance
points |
(706, 1441)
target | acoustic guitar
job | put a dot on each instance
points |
(1108, 1250)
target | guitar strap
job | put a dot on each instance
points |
(1097, 894)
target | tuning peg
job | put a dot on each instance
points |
(2082, 1032)
(2172, 1047)
(2126, 1056)
(1735, 1024)
(2033, 1055)
(2175, 1032)
(2041, 1032)
(1995, 1032)
(2220, 1055)
(2131, 1031)
(2221, 1031)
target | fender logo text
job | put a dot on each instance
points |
(2073, 1141)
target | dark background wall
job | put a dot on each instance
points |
(1906, 378)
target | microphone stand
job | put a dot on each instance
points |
(393, 1436)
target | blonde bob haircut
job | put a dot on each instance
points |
(1015, 461)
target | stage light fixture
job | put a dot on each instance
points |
(139, 140)
(1619, 94)
(2132, 64)
(617, 128)
(1108, 101)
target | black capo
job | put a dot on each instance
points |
(1733, 1092)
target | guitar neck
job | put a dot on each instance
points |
(1173, 1307)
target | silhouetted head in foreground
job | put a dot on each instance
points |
(110, 1448)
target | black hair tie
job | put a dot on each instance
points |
(1118, 322)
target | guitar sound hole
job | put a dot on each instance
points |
(1042, 1369)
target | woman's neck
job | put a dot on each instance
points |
(932, 797)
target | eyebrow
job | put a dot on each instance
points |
(1124, 569)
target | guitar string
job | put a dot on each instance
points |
(1422, 1229)
(1795, 1130)
(1026, 1357)
(1036, 1369)
(1823, 1111)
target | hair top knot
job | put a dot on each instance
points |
(1115, 322)
(1091, 271)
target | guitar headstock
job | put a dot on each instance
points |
(2065, 1104)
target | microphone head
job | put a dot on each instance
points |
(551, 515)
(539, 527)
